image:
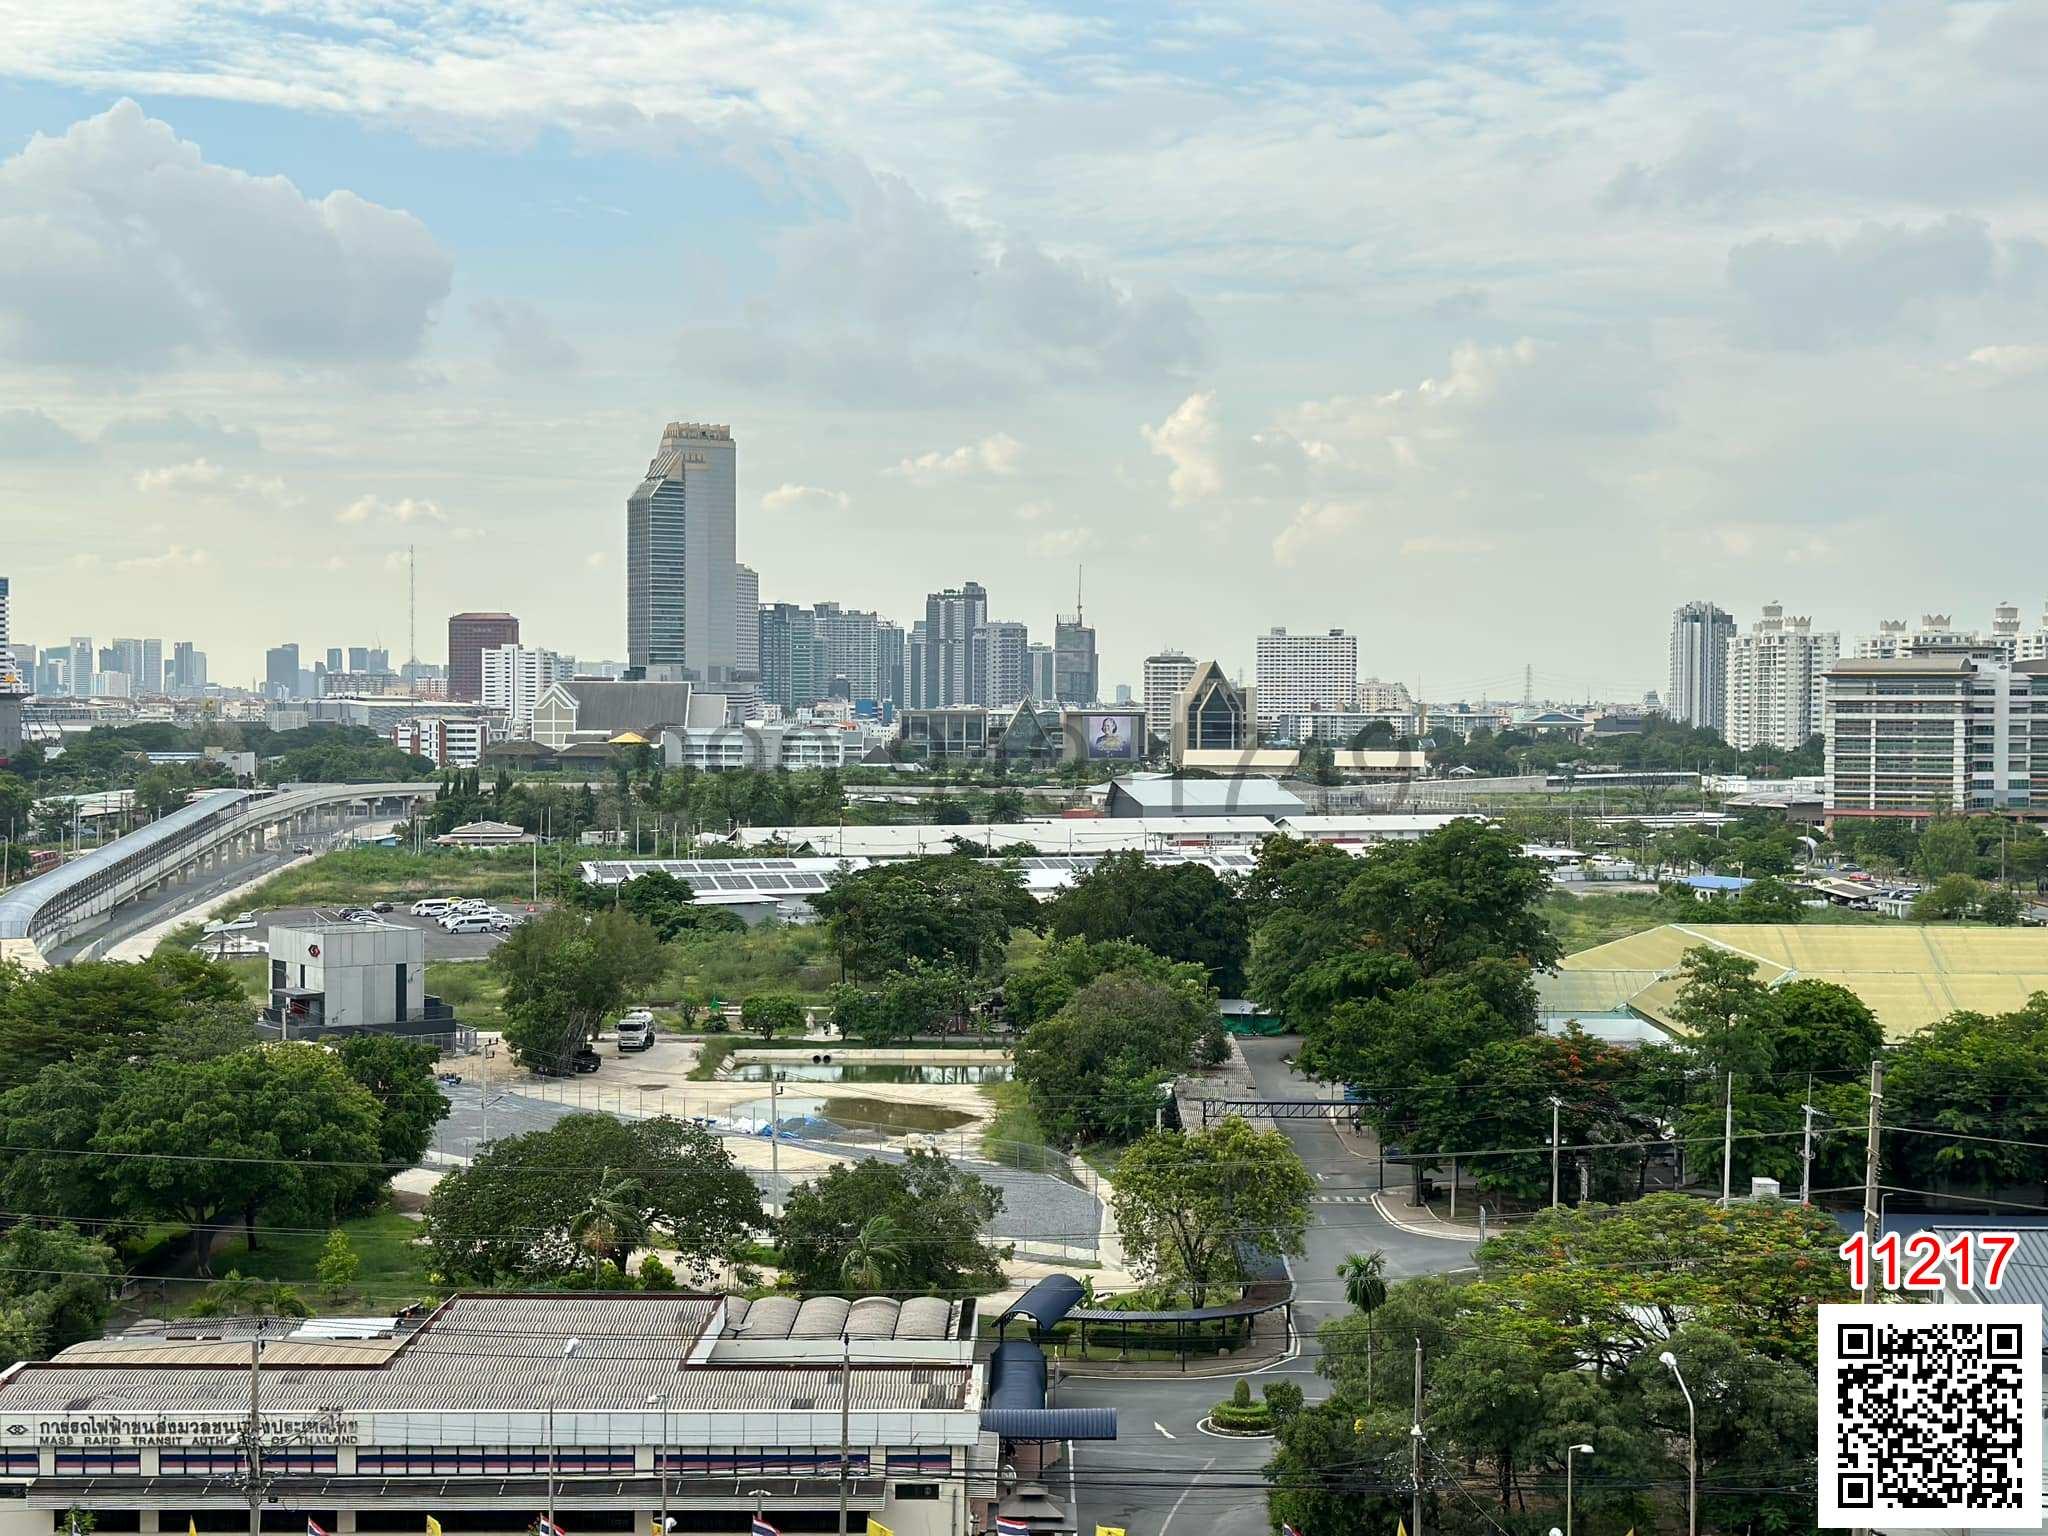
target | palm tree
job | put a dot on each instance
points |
(614, 1221)
(236, 1295)
(1365, 1287)
(875, 1251)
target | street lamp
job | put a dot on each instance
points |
(554, 1390)
(757, 1495)
(1569, 1452)
(661, 1455)
(1692, 1446)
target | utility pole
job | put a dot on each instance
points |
(1806, 1157)
(255, 1434)
(1727, 1135)
(1554, 1107)
(845, 1394)
(1870, 1156)
(1415, 1448)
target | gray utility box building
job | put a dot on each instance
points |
(348, 976)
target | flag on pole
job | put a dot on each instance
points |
(543, 1526)
(1117, 1530)
(876, 1528)
(763, 1528)
(433, 1526)
(1400, 1528)
(314, 1527)
(1285, 1529)
(1007, 1525)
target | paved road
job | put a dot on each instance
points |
(1035, 1205)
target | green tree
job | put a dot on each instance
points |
(1722, 1007)
(614, 1220)
(1999, 907)
(1459, 894)
(1095, 1070)
(72, 1010)
(946, 1207)
(1182, 911)
(57, 1285)
(875, 1254)
(1191, 1206)
(1951, 898)
(337, 1265)
(1947, 847)
(1041, 986)
(236, 1295)
(768, 1014)
(1972, 1075)
(949, 910)
(399, 1074)
(508, 1215)
(564, 973)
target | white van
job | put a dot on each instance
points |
(466, 922)
(432, 906)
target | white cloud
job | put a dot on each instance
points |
(524, 340)
(405, 510)
(122, 247)
(27, 433)
(1054, 543)
(789, 496)
(997, 454)
(2011, 361)
(199, 474)
(173, 557)
(1315, 522)
(1031, 511)
(1448, 544)
(1187, 440)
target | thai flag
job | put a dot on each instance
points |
(763, 1528)
(543, 1526)
(1006, 1526)
(314, 1527)
(1288, 1530)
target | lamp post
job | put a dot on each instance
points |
(554, 1390)
(661, 1455)
(1569, 1452)
(757, 1495)
(1692, 1445)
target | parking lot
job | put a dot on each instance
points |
(441, 945)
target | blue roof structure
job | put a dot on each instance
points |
(1716, 882)
(1016, 1400)
(1046, 1304)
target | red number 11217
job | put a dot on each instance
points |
(1916, 1263)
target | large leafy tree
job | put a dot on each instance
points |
(71, 1010)
(941, 1211)
(1459, 894)
(524, 1208)
(915, 1001)
(1042, 985)
(1095, 1070)
(1971, 1075)
(564, 973)
(1196, 1209)
(1182, 911)
(399, 1075)
(948, 910)
(57, 1285)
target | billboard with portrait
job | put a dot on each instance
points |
(1118, 737)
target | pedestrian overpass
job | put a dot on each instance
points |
(214, 828)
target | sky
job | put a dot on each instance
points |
(1489, 332)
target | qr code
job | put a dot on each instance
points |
(1931, 1413)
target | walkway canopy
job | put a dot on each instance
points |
(1016, 1400)
(1046, 1304)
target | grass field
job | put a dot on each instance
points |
(362, 875)
(1580, 922)
(393, 1268)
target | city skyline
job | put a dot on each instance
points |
(1680, 299)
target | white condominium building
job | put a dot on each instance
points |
(1938, 634)
(1775, 683)
(1166, 674)
(515, 676)
(1380, 698)
(1918, 735)
(1700, 633)
(1301, 673)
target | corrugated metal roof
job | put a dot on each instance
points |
(924, 1317)
(2025, 1278)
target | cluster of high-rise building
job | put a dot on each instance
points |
(1915, 718)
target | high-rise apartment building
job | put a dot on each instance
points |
(852, 643)
(469, 636)
(1699, 665)
(334, 661)
(1301, 673)
(1166, 674)
(1925, 734)
(1002, 650)
(891, 659)
(82, 666)
(1938, 634)
(1076, 678)
(681, 577)
(188, 668)
(792, 657)
(151, 679)
(746, 623)
(514, 678)
(1776, 681)
(1381, 698)
(281, 670)
(950, 619)
(1041, 674)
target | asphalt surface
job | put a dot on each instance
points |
(1035, 1205)
(441, 944)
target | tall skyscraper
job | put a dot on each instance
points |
(16, 676)
(378, 661)
(82, 666)
(1039, 673)
(746, 623)
(1303, 673)
(950, 619)
(469, 636)
(1073, 659)
(1776, 679)
(358, 659)
(1699, 665)
(152, 666)
(334, 660)
(1002, 662)
(792, 658)
(281, 670)
(188, 668)
(851, 638)
(680, 572)
(6, 621)
(890, 664)
(1166, 674)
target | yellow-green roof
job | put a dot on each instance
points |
(1908, 975)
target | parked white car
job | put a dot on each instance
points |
(432, 906)
(466, 922)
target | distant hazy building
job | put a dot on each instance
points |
(746, 623)
(469, 636)
(1040, 673)
(792, 657)
(1166, 674)
(1299, 673)
(82, 668)
(188, 668)
(334, 661)
(890, 660)
(1381, 698)
(1001, 656)
(852, 643)
(681, 575)
(1776, 679)
(448, 741)
(1920, 735)
(946, 672)
(1700, 633)
(1938, 634)
(1213, 714)
(514, 678)
(1076, 678)
(281, 671)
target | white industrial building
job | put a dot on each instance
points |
(347, 976)
(1776, 679)
(614, 1413)
(1300, 673)
(791, 745)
